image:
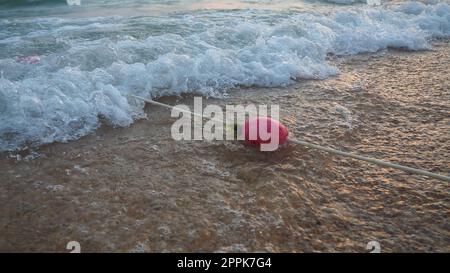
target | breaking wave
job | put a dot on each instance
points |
(60, 78)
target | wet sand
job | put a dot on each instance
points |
(135, 189)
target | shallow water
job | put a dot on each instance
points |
(373, 79)
(135, 189)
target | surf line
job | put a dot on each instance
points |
(324, 148)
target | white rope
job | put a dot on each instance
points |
(326, 149)
(371, 160)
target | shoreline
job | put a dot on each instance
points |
(135, 189)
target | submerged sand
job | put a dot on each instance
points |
(135, 189)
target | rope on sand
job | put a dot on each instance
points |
(371, 160)
(326, 149)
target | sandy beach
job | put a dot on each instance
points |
(135, 189)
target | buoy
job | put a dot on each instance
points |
(28, 59)
(252, 131)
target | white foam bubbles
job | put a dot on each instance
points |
(86, 75)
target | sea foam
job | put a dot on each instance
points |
(88, 68)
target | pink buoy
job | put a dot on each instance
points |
(252, 128)
(28, 59)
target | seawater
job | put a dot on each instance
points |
(66, 69)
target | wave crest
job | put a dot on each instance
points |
(69, 92)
